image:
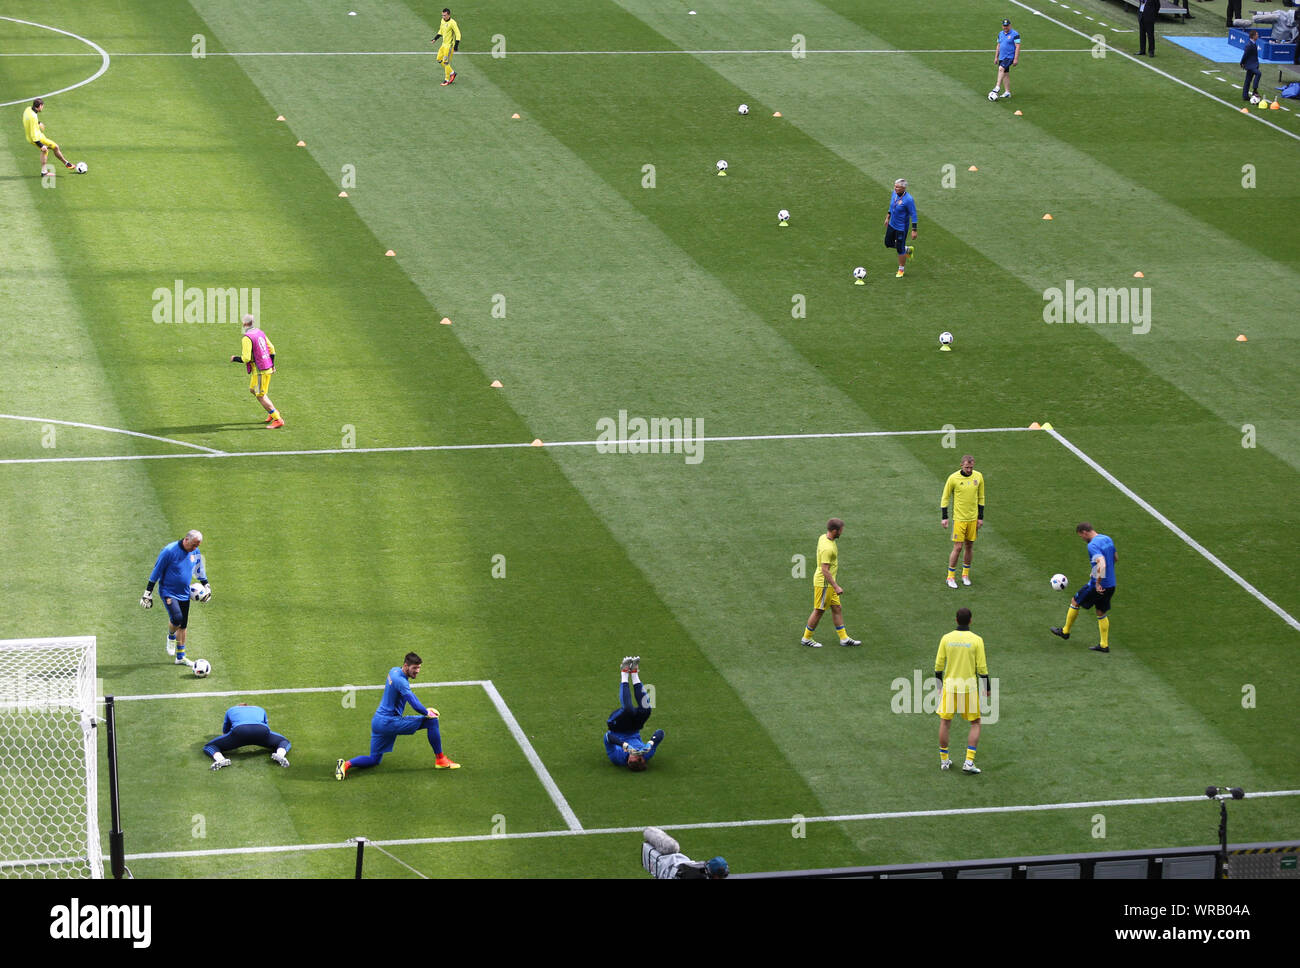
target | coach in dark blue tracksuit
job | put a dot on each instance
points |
(246, 725)
(1250, 61)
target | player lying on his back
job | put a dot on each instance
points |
(623, 743)
(246, 725)
(662, 857)
(388, 722)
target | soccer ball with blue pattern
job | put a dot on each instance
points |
(993, 95)
(1059, 582)
(202, 668)
(945, 339)
(199, 592)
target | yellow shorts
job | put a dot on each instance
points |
(964, 530)
(444, 55)
(966, 703)
(260, 382)
(824, 597)
(42, 141)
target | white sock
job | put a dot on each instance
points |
(281, 751)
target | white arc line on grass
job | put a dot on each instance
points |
(103, 66)
(1187, 538)
(1152, 67)
(113, 430)
(716, 825)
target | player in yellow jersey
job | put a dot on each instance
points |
(826, 593)
(964, 491)
(449, 34)
(257, 353)
(960, 660)
(35, 132)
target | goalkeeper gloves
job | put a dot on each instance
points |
(146, 600)
(457, 46)
(207, 593)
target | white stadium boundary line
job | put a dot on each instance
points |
(1187, 539)
(659, 442)
(111, 430)
(105, 60)
(488, 686)
(538, 53)
(1151, 67)
(717, 825)
(534, 760)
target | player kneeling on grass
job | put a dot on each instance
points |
(662, 857)
(623, 743)
(246, 725)
(389, 722)
(960, 660)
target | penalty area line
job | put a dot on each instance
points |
(1186, 538)
(716, 825)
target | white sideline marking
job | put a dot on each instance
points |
(419, 448)
(103, 66)
(512, 724)
(539, 768)
(111, 430)
(717, 825)
(1187, 539)
(537, 53)
(1152, 67)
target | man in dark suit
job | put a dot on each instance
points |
(1250, 61)
(1147, 12)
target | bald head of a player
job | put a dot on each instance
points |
(249, 322)
(192, 540)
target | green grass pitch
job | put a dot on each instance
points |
(589, 259)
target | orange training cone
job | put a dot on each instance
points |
(302, 144)
(1047, 217)
(972, 168)
(1138, 275)
(1241, 338)
(280, 118)
(343, 194)
(445, 321)
(514, 117)
(776, 114)
(537, 442)
(390, 252)
(495, 384)
(1020, 114)
(1034, 426)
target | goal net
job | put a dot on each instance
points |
(49, 824)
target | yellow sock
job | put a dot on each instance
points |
(275, 414)
(965, 571)
(807, 632)
(842, 632)
(943, 754)
(970, 754)
(1104, 625)
(952, 573)
(1070, 615)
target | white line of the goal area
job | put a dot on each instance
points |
(512, 724)
(712, 825)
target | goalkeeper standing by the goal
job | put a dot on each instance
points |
(178, 564)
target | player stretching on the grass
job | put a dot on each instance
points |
(246, 725)
(623, 743)
(1100, 587)
(178, 564)
(826, 593)
(388, 722)
(35, 132)
(449, 34)
(257, 353)
(965, 491)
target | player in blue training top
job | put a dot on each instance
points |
(1006, 54)
(388, 722)
(178, 564)
(902, 212)
(623, 743)
(246, 725)
(1100, 588)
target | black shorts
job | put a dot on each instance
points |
(896, 239)
(178, 612)
(1089, 597)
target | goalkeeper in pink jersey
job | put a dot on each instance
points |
(257, 353)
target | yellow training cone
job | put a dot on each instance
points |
(444, 321)
(1241, 338)
(343, 194)
(495, 384)
(1047, 217)
(537, 442)
(1034, 425)
(390, 252)
(1138, 275)
(1045, 426)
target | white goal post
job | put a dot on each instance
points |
(49, 821)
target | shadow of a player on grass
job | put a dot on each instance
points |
(215, 428)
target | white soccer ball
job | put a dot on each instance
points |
(783, 216)
(860, 273)
(945, 339)
(82, 168)
(993, 95)
(202, 668)
(743, 109)
(1254, 99)
(722, 166)
(1059, 581)
(199, 593)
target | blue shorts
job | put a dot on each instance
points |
(1087, 597)
(1006, 62)
(178, 612)
(384, 730)
(896, 239)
